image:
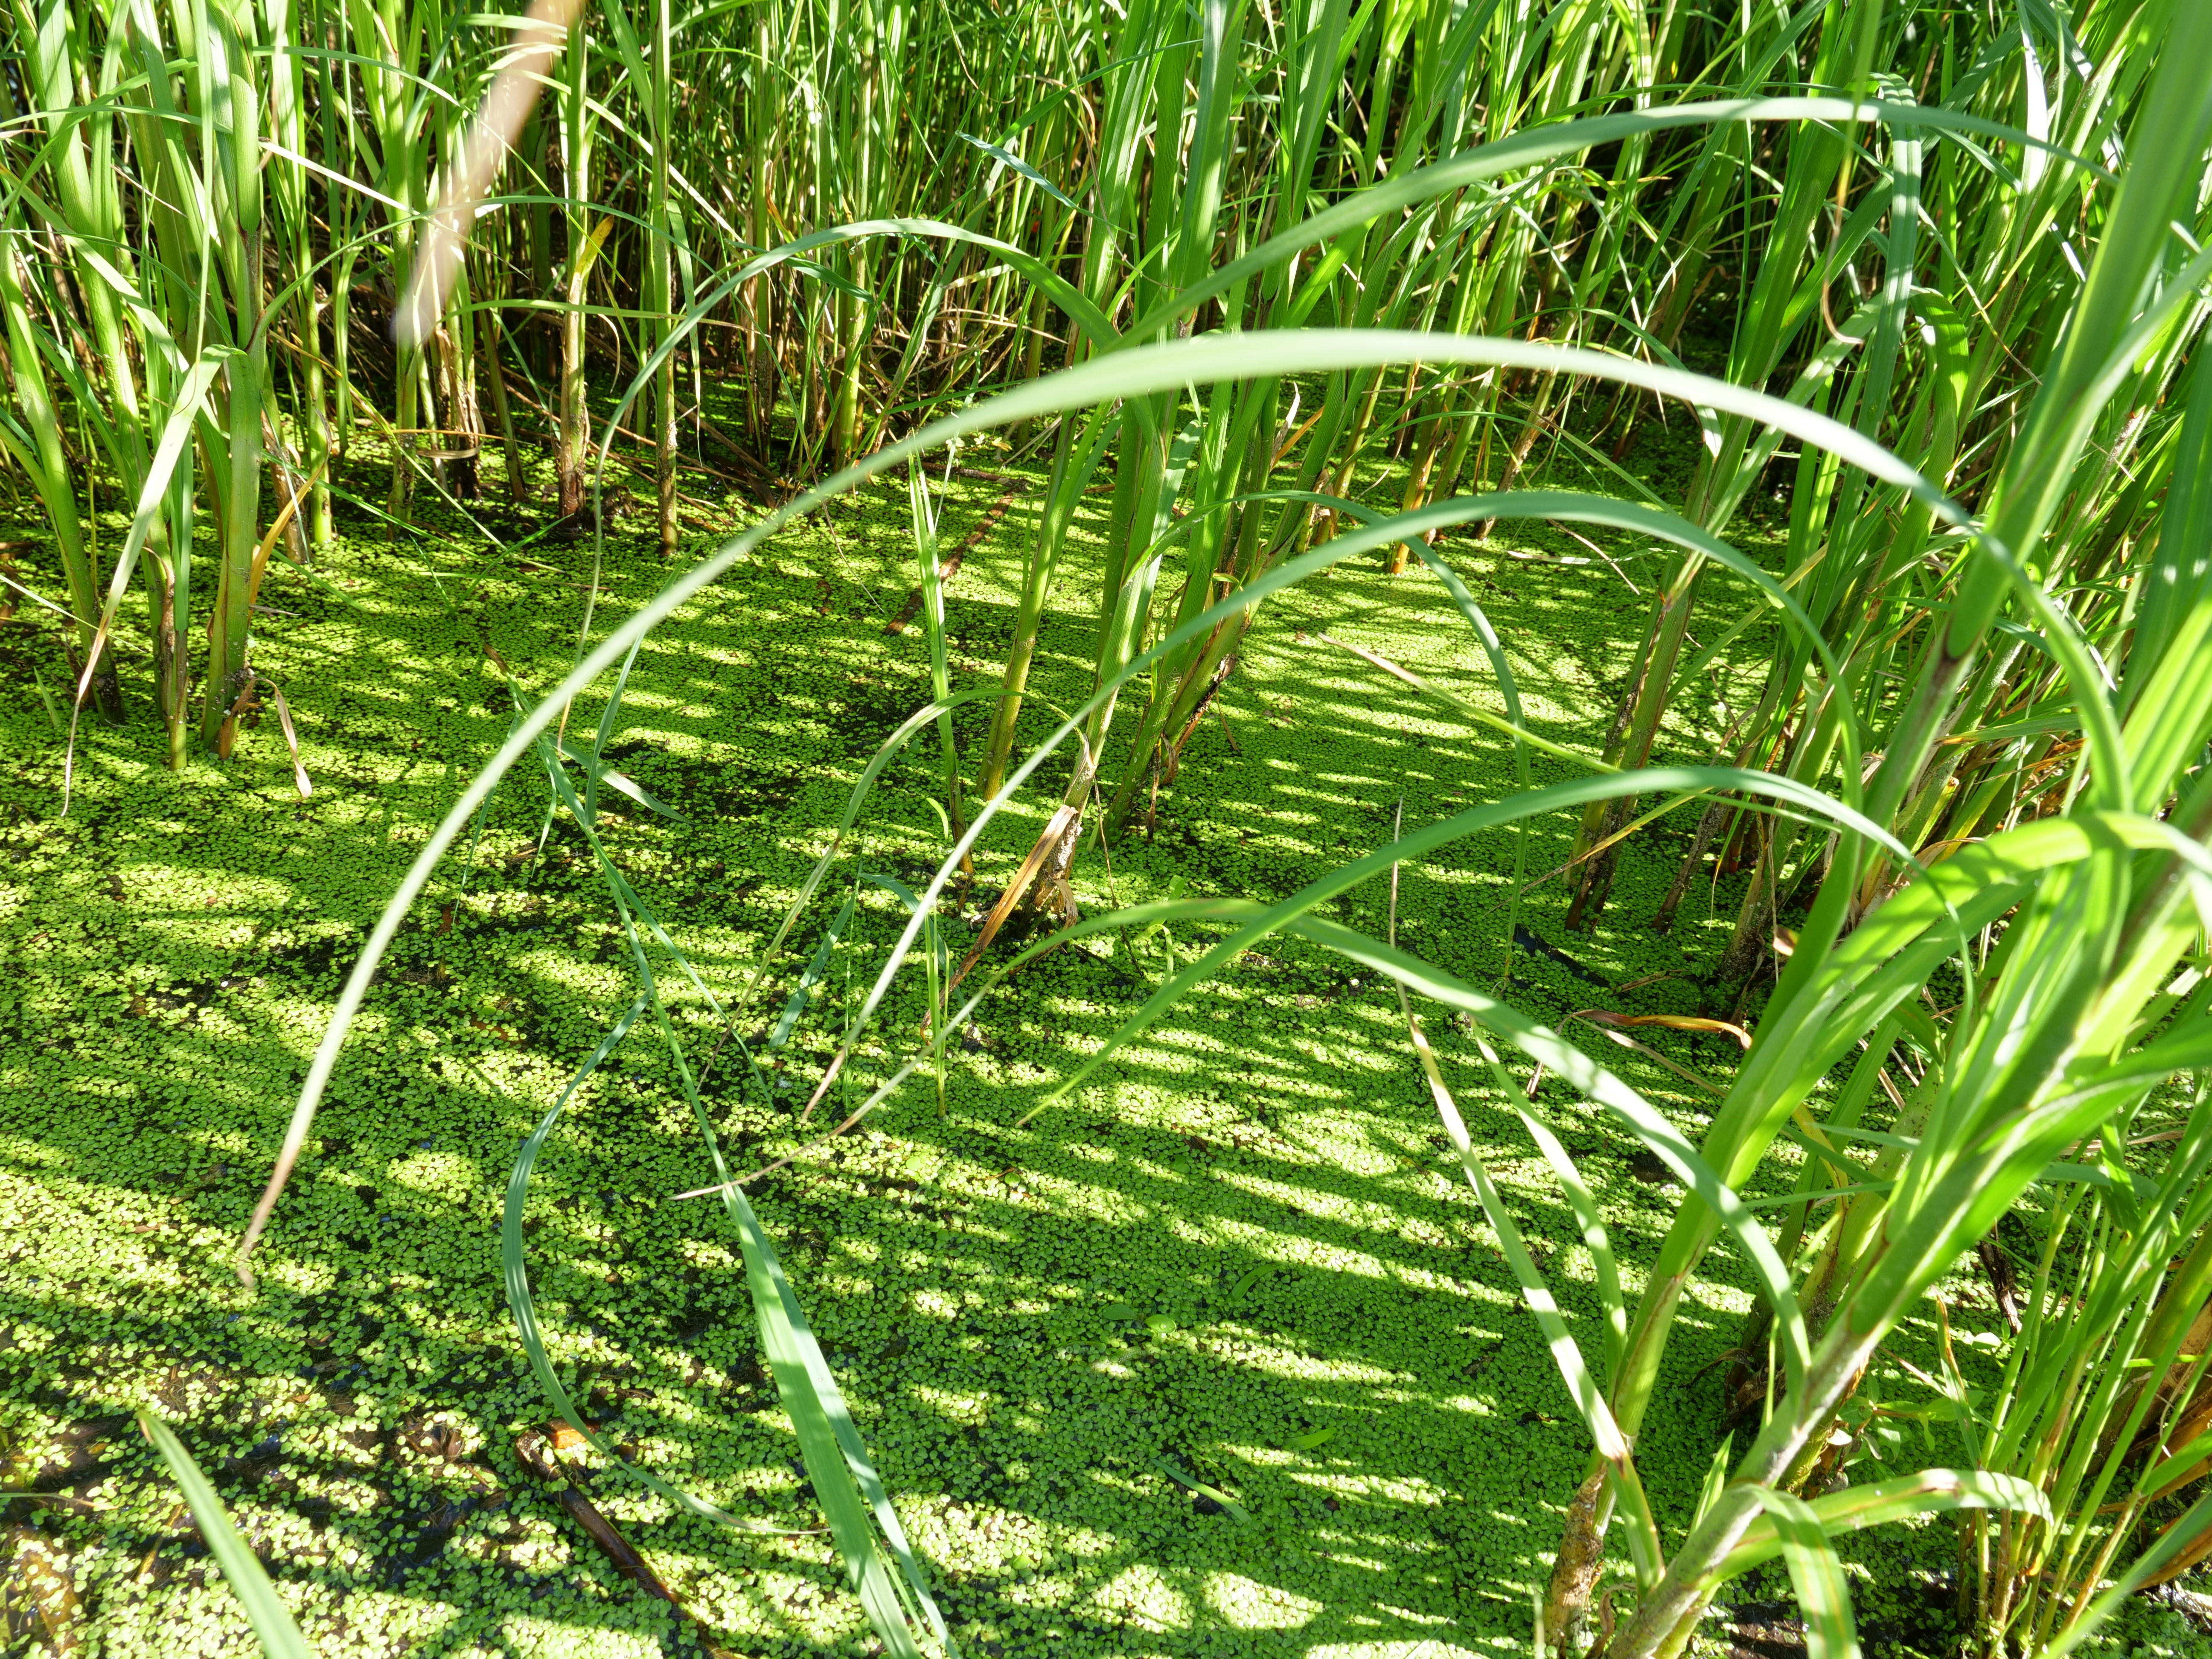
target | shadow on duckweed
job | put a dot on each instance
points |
(1240, 1261)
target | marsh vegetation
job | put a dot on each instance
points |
(1251, 827)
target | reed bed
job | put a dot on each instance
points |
(1294, 291)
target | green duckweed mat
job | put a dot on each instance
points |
(1241, 1259)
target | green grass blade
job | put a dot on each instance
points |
(803, 993)
(1931, 1491)
(514, 1271)
(1605, 1088)
(1584, 1205)
(1590, 1400)
(1815, 1575)
(1214, 1494)
(272, 1621)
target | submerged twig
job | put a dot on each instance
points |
(541, 1457)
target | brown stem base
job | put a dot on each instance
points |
(1575, 1569)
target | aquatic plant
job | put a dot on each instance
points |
(1971, 780)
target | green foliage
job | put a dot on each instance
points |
(1962, 777)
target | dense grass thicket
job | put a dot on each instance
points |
(1265, 826)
